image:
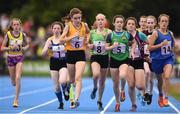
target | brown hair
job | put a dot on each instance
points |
(67, 17)
(143, 16)
(131, 18)
(118, 16)
(161, 15)
(75, 11)
(152, 17)
(58, 23)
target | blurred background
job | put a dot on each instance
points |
(37, 15)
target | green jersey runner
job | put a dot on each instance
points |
(121, 52)
(99, 41)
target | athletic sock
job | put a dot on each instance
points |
(71, 92)
(59, 96)
(64, 85)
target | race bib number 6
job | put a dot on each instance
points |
(77, 42)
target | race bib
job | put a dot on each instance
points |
(99, 47)
(121, 48)
(129, 51)
(165, 50)
(77, 42)
(16, 42)
(58, 51)
(136, 52)
(55, 48)
(146, 50)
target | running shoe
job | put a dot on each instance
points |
(77, 103)
(146, 97)
(93, 93)
(61, 106)
(117, 107)
(150, 99)
(72, 104)
(100, 107)
(165, 101)
(123, 96)
(161, 101)
(15, 104)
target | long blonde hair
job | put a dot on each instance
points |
(11, 23)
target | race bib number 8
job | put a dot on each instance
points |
(77, 42)
(121, 48)
(165, 50)
(99, 47)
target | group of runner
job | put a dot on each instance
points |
(131, 54)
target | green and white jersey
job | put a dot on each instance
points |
(121, 52)
(99, 41)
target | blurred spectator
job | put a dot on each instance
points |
(41, 35)
(48, 31)
(2, 56)
(177, 60)
(4, 22)
(27, 26)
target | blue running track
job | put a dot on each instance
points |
(37, 96)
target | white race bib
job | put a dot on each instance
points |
(99, 47)
(136, 52)
(121, 48)
(58, 48)
(77, 42)
(58, 51)
(16, 42)
(146, 50)
(165, 50)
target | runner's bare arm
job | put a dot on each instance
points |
(46, 47)
(26, 42)
(4, 44)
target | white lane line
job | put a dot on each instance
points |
(107, 106)
(46, 103)
(51, 101)
(27, 93)
(170, 104)
(134, 113)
